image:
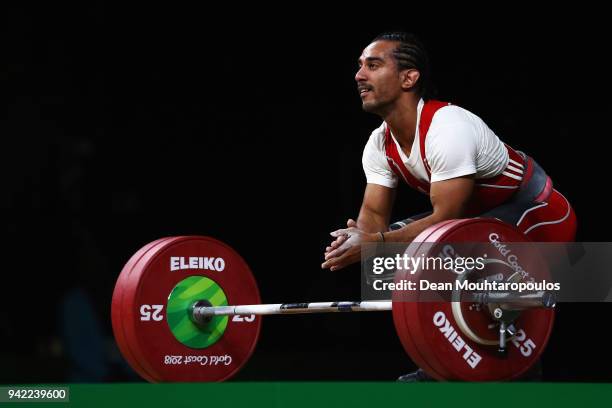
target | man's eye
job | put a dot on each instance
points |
(372, 66)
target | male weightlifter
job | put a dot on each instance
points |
(441, 150)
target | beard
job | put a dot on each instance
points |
(378, 107)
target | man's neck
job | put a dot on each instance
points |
(402, 121)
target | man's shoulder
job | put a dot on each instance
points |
(452, 114)
(377, 138)
(451, 121)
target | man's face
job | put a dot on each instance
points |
(378, 79)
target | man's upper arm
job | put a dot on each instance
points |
(374, 161)
(376, 207)
(449, 198)
(452, 150)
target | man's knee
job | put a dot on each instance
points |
(401, 224)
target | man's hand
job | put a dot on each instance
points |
(346, 248)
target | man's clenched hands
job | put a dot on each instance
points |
(346, 248)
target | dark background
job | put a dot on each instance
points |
(123, 125)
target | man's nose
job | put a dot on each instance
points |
(360, 76)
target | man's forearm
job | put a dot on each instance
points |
(371, 222)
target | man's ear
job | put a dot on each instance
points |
(409, 78)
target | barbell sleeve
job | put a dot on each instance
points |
(516, 301)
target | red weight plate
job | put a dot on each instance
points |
(398, 311)
(116, 318)
(433, 332)
(404, 326)
(151, 282)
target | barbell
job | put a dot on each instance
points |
(188, 309)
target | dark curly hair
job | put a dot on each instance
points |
(410, 54)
